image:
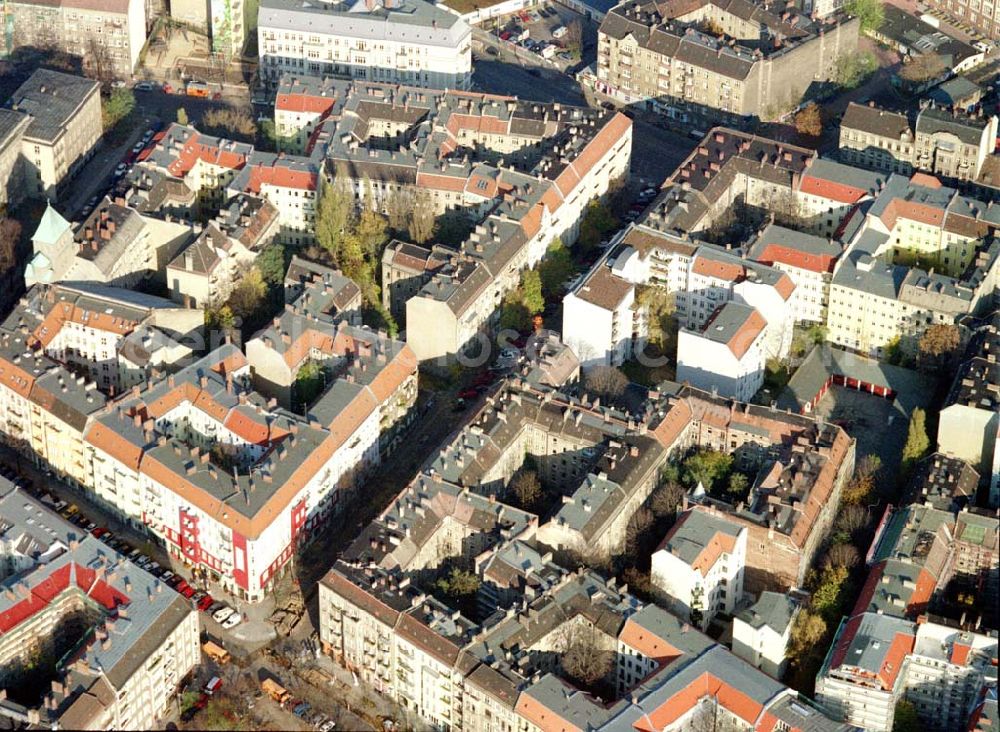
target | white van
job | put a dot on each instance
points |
(559, 32)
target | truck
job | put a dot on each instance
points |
(276, 691)
(216, 652)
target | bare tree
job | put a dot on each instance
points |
(605, 381)
(10, 233)
(842, 555)
(574, 34)
(98, 61)
(583, 657)
(851, 519)
(666, 498)
(527, 488)
(923, 67)
(399, 209)
(635, 531)
(422, 219)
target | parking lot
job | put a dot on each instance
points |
(547, 34)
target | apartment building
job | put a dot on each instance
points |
(871, 137)
(605, 324)
(65, 348)
(705, 62)
(924, 255)
(925, 558)
(409, 42)
(302, 104)
(64, 127)
(136, 639)
(231, 484)
(440, 150)
(406, 268)
(115, 245)
(288, 183)
(807, 259)
(877, 660)
(726, 354)
(602, 321)
(207, 270)
(762, 632)
(12, 168)
(454, 672)
(969, 426)
(940, 141)
(944, 482)
(698, 567)
(107, 35)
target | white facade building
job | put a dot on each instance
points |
(699, 566)
(410, 42)
(726, 355)
(761, 632)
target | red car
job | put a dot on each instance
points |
(505, 36)
(205, 603)
(187, 592)
(182, 585)
(98, 532)
(468, 394)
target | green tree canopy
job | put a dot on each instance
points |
(869, 12)
(556, 267)
(917, 441)
(272, 265)
(707, 467)
(531, 291)
(118, 106)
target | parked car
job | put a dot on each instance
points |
(301, 708)
(215, 607)
(213, 685)
(328, 726)
(196, 597)
(167, 575)
(224, 612)
(143, 86)
(559, 31)
(232, 621)
(205, 603)
(505, 36)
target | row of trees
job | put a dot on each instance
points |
(353, 239)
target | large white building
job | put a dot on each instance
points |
(107, 35)
(761, 632)
(605, 324)
(410, 42)
(876, 660)
(726, 355)
(699, 566)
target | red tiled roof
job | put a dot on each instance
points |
(830, 189)
(706, 685)
(193, 151)
(647, 643)
(304, 103)
(729, 271)
(795, 258)
(281, 177)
